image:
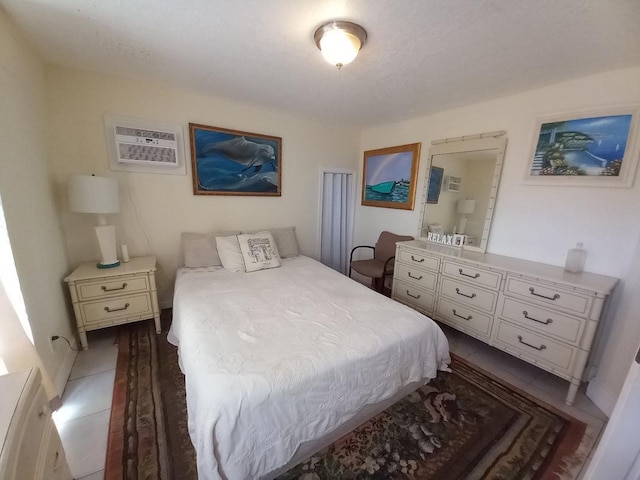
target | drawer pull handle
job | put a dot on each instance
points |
(107, 309)
(473, 295)
(477, 275)
(460, 316)
(416, 260)
(413, 296)
(541, 347)
(544, 322)
(533, 292)
(105, 289)
(415, 278)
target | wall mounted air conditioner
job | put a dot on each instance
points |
(137, 145)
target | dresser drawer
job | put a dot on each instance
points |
(476, 276)
(33, 426)
(116, 308)
(470, 295)
(415, 276)
(416, 297)
(542, 320)
(542, 349)
(92, 290)
(549, 294)
(53, 463)
(416, 259)
(463, 317)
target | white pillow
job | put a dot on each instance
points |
(199, 249)
(229, 252)
(286, 241)
(259, 251)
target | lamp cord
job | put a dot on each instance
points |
(56, 337)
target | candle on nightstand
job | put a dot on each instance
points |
(125, 253)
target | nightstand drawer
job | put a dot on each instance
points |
(549, 295)
(463, 317)
(470, 295)
(115, 308)
(555, 354)
(415, 259)
(542, 320)
(92, 290)
(476, 276)
(416, 276)
(407, 293)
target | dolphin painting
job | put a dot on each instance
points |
(246, 153)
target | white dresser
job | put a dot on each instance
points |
(31, 447)
(104, 297)
(537, 312)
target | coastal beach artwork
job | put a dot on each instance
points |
(587, 149)
(389, 176)
(232, 162)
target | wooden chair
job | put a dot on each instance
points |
(381, 265)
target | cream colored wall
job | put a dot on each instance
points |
(30, 206)
(537, 222)
(156, 208)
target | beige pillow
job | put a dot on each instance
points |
(229, 252)
(286, 241)
(199, 249)
(259, 251)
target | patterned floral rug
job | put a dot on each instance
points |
(462, 425)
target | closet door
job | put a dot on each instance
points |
(337, 204)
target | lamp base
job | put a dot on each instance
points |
(108, 265)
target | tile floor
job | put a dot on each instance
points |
(83, 418)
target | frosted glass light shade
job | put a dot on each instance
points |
(91, 194)
(340, 41)
(466, 206)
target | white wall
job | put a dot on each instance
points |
(156, 208)
(539, 223)
(29, 205)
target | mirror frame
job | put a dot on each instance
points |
(468, 143)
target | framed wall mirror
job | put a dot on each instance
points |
(461, 186)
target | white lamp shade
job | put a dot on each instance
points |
(466, 206)
(91, 194)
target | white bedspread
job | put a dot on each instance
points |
(282, 356)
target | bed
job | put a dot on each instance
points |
(280, 362)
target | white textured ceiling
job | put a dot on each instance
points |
(422, 56)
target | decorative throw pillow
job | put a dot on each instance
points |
(199, 249)
(286, 241)
(229, 252)
(259, 251)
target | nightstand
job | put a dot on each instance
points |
(104, 297)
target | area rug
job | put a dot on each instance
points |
(462, 425)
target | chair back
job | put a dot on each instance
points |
(386, 245)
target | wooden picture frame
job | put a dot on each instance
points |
(233, 162)
(389, 176)
(589, 148)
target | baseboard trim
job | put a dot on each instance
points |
(64, 371)
(602, 397)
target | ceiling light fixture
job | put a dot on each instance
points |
(340, 41)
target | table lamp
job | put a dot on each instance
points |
(464, 207)
(99, 195)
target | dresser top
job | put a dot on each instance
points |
(598, 283)
(90, 271)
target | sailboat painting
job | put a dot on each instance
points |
(590, 148)
(389, 176)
